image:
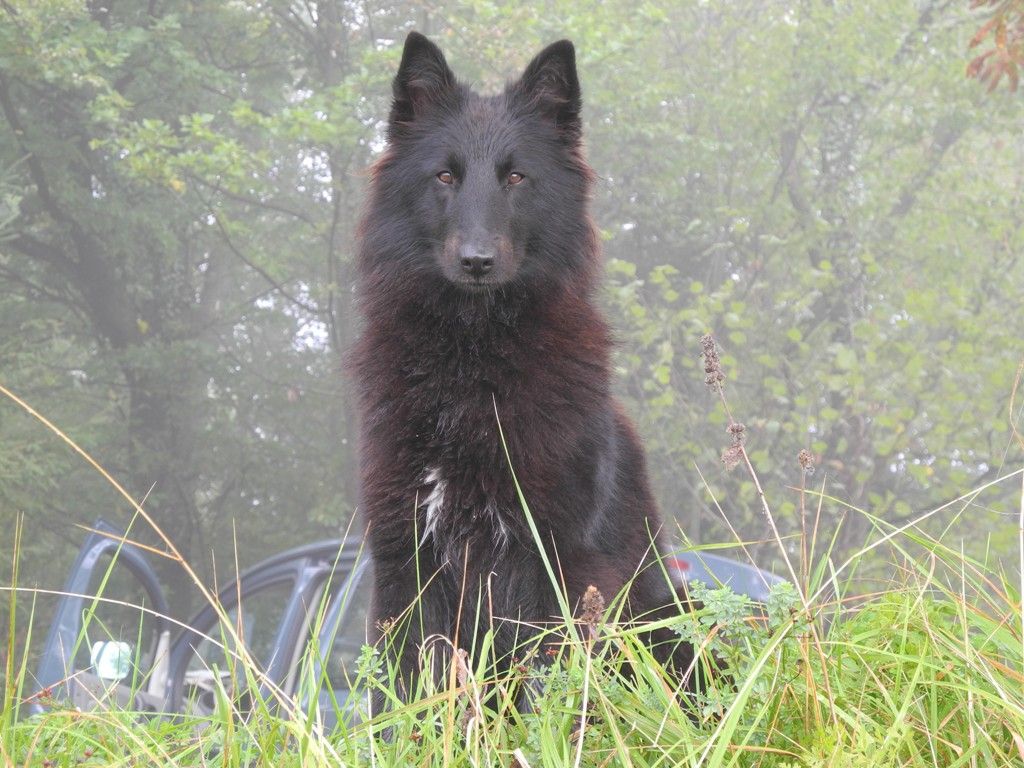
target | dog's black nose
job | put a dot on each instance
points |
(476, 262)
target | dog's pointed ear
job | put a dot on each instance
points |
(423, 79)
(550, 85)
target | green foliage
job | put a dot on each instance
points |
(820, 164)
(817, 184)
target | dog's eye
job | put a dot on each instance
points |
(515, 178)
(446, 177)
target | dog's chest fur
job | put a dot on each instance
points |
(435, 459)
(457, 524)
(464, 495)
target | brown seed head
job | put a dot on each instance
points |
(593, 609)
(732, 455)
(461, 666)
(806, 460)
(713, 374)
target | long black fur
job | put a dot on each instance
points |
(477, 267)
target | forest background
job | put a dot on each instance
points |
(819, 184)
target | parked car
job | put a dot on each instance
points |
(121, 647)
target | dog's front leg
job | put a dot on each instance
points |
(408, 608)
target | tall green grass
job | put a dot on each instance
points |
(924, 668)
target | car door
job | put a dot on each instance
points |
(109, 640)
(276, 609)
(338, 642)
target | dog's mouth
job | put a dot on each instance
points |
(478, 286)
(483, 284)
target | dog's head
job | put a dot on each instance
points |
(490, 191)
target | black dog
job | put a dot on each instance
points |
(477, 268)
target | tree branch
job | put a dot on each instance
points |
(942, 141)
(239, 198)
(35, 167)
(37, 250)
(36, 291)
(258, 269)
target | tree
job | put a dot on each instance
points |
(180, 188)
(132, 138)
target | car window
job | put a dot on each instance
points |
(261, 612)
(350, 638)
(118, 638)
(336, 642)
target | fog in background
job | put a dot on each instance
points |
(818, 184)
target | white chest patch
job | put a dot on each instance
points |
(433, 501)
(500, 529)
